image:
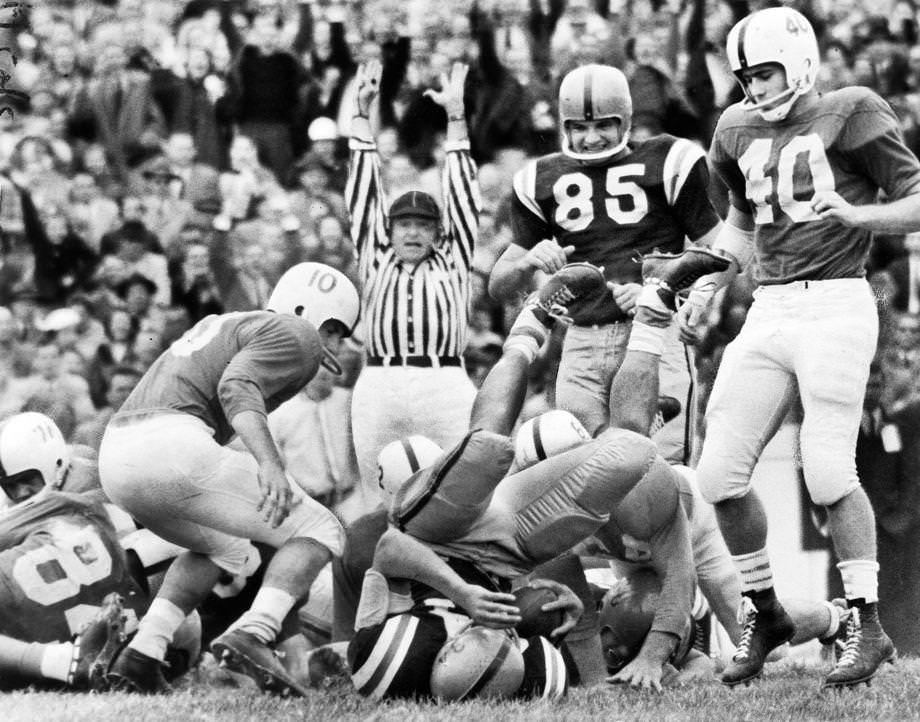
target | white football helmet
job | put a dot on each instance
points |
(546, 435)
(775, 35)
(478, 662)
(317, 293)
(399, 460)
(593, 92)
(31, 442)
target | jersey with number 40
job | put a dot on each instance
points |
(848, 141)
(59, 558)
(610, 211)
(250, 361)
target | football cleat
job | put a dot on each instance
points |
(674, 272)
(866, 648)
(97, 644)
(240, 651)
(764, 630)
(668, 408)
(134, 671)
(573, 290)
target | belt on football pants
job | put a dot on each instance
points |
(418, 361)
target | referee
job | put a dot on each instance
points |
(415, 276)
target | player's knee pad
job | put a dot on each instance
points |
(440, 503)
(394, 659)
(311, 520)
(830, 474)
(717, 482)
(546, 673)
(652, 502)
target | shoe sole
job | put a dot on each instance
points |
(268, 681)
(865, 678)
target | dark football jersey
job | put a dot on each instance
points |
(848, 141)
(650, 199)
(59, 558)
(252, 361)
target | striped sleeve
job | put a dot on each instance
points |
(365, 198)
(462, 202)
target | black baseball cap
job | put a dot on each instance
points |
(415, 203)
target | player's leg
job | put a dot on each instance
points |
(501, 396)
(590, 359)
(751, 395)
(834, 350)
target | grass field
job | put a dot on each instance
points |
(790, 692)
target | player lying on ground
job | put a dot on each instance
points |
(71, 565)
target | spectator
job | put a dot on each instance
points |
(48, 380)
(416, 290)
(138, 293)
(193, 181)
(91, 213)
(194, 287)
(134, 241)
(199, 111)
(117, 350)
(247, 181)
(122, 381)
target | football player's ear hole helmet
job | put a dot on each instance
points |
(400, 459)
(33, 457)
(778, 35)
(594, 92)
(317, 293)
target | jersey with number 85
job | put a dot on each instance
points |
(651, 198)
(848, 141)
(249, 361)
(59, 558)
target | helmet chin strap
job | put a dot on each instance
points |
(330, 362)
(776, 113)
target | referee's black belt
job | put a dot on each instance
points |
(425, 362)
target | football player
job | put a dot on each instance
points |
(604, 200)
(803, 172)
(164, 459)
(64, 574)
(461, 529)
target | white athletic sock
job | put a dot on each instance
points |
(157, 628)
(56, 661)
(650, 339)
(269, 608)
(860, 579)
(833, 625)
(756, 574)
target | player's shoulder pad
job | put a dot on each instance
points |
(866, 115)
(292, 325)
(680, 157)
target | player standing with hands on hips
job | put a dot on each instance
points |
(803, 172)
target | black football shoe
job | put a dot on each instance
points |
(674, 272)
(764, 630)
(573, 290)
(866, 648)
(96, 645)
(240, 651)
(133, 671)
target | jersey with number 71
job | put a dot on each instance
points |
(848, 141)
(651, 198)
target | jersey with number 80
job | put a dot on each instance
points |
(252, 361)
(651, 198)
(848, 141)
(59, 558)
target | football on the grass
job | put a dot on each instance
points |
(534, 621)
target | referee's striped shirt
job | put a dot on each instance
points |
(414, 310)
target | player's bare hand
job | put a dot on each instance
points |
(548, 256)
(275, 503)
(368, 78)
(450, 97)
(641, 673)
(691, 316)
(625, 295)
(490, 609)
(566, 600)
(831, 205)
